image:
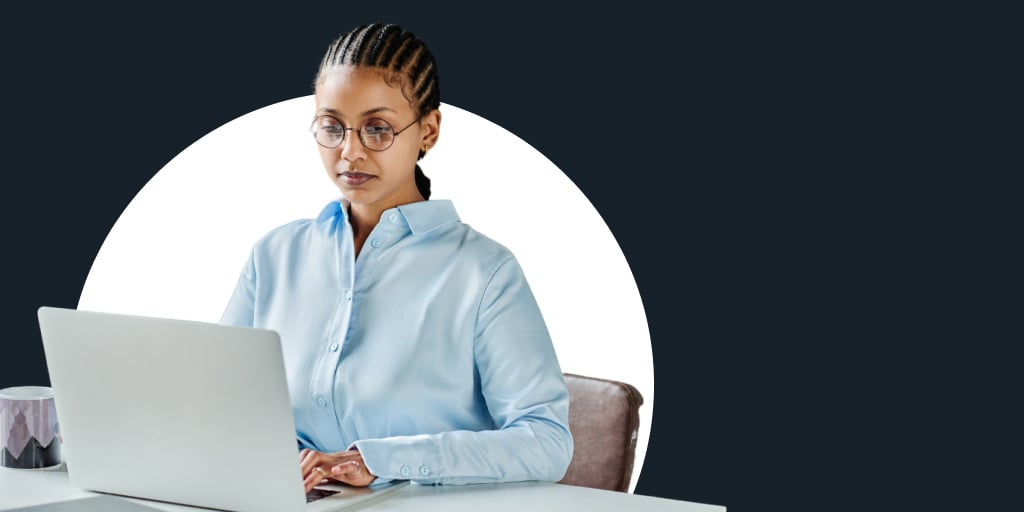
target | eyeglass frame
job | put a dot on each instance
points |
(359, 131)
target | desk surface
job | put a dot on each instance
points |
(21, 488)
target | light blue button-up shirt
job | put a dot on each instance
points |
(427, 353)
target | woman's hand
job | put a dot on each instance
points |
(346, 467)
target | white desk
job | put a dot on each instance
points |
(20, 488)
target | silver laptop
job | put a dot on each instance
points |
(179, 411)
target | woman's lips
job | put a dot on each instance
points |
(354, 179)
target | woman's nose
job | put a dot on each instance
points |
(352, 148)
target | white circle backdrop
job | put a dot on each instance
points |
(179, 246)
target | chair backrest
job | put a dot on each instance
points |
(604, 419)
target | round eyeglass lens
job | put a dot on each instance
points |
(328, 131)
(376, 134)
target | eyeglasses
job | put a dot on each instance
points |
(375, 134)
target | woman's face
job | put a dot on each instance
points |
(380, 179)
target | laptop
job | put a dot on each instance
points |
(180, 411)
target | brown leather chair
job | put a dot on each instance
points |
(604, 419)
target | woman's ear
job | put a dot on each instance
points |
(430, 128)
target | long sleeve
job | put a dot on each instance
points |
(240, 309)
(524, 391)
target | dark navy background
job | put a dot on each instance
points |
(811, 245)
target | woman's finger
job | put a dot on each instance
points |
(349, 469)
(308, 462)
(313, 479)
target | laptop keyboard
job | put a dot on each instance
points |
(317, 494)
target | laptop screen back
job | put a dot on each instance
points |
(172, 410)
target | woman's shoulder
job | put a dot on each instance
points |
(475, 250)
(436, 227)
(482, 244)
(299, 230)
(438, 220)
(284, 235)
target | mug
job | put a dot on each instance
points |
(29, 432)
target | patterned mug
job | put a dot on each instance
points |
(29, 433)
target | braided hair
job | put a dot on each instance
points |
(405, 62)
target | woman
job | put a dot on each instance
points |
(413, 345)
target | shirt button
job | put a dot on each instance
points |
(348, 294)
(322, 402)
(404, 471)
(334, 347)
(393, 217)
(375, 242)
(424, 470)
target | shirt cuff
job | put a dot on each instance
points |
(402, 458)
(380, 480)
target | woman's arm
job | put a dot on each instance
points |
(240, 309)
(523, 388)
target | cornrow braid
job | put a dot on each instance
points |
(383, 44)
(405, 61)
(398, 52)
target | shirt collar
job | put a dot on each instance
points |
(422, 216)
(332, 209)
(427, 215)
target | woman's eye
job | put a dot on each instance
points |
(329, 124)
(376, 130)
